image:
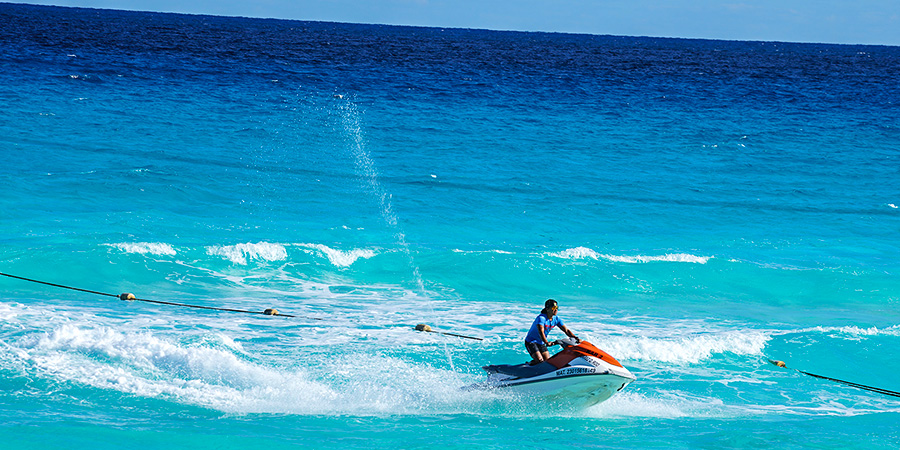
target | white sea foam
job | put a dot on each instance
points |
(218, 374)
(857, 331)
(153, 248)
(820, 408)
(7, 312)
(669, 257)
(470, 252)
(676, 404)
(144, 365)
(340, 258)
(241, 253)
(584, 253)
(576, 253)
(686, 349)
(658, 405)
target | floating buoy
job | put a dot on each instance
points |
(126, 296)
(271, 312)
(423, 327)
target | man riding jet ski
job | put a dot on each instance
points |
(580, 374)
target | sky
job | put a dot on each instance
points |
(824, 21)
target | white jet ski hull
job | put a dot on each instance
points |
(584, 389)
(581, 375)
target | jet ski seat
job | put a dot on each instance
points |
(557, 361)
(521, 370)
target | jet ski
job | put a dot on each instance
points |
(580, 374)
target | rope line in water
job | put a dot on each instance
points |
(844, 382)
(268, 312)
(131, 297)
(58, 285)
(424, 327)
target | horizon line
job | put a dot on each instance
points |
(497, 30)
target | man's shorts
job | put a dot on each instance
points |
(535, 347)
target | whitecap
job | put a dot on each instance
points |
(576, 253)
(153, 248)
(340, 258)
(669, 257)
(241, 253)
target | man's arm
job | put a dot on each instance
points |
(568, 332)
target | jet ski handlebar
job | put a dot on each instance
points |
(565, 342)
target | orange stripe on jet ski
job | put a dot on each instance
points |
(566, 356)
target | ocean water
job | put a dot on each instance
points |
(696, 207)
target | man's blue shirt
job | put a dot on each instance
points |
(542, 321)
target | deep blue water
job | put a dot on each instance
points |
(695, 206)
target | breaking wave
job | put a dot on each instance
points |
(241, 253)
(340, 258)
(153, 248)
(687, 349)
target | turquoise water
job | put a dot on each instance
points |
(695, 206)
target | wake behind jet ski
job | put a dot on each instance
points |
(580, 374)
